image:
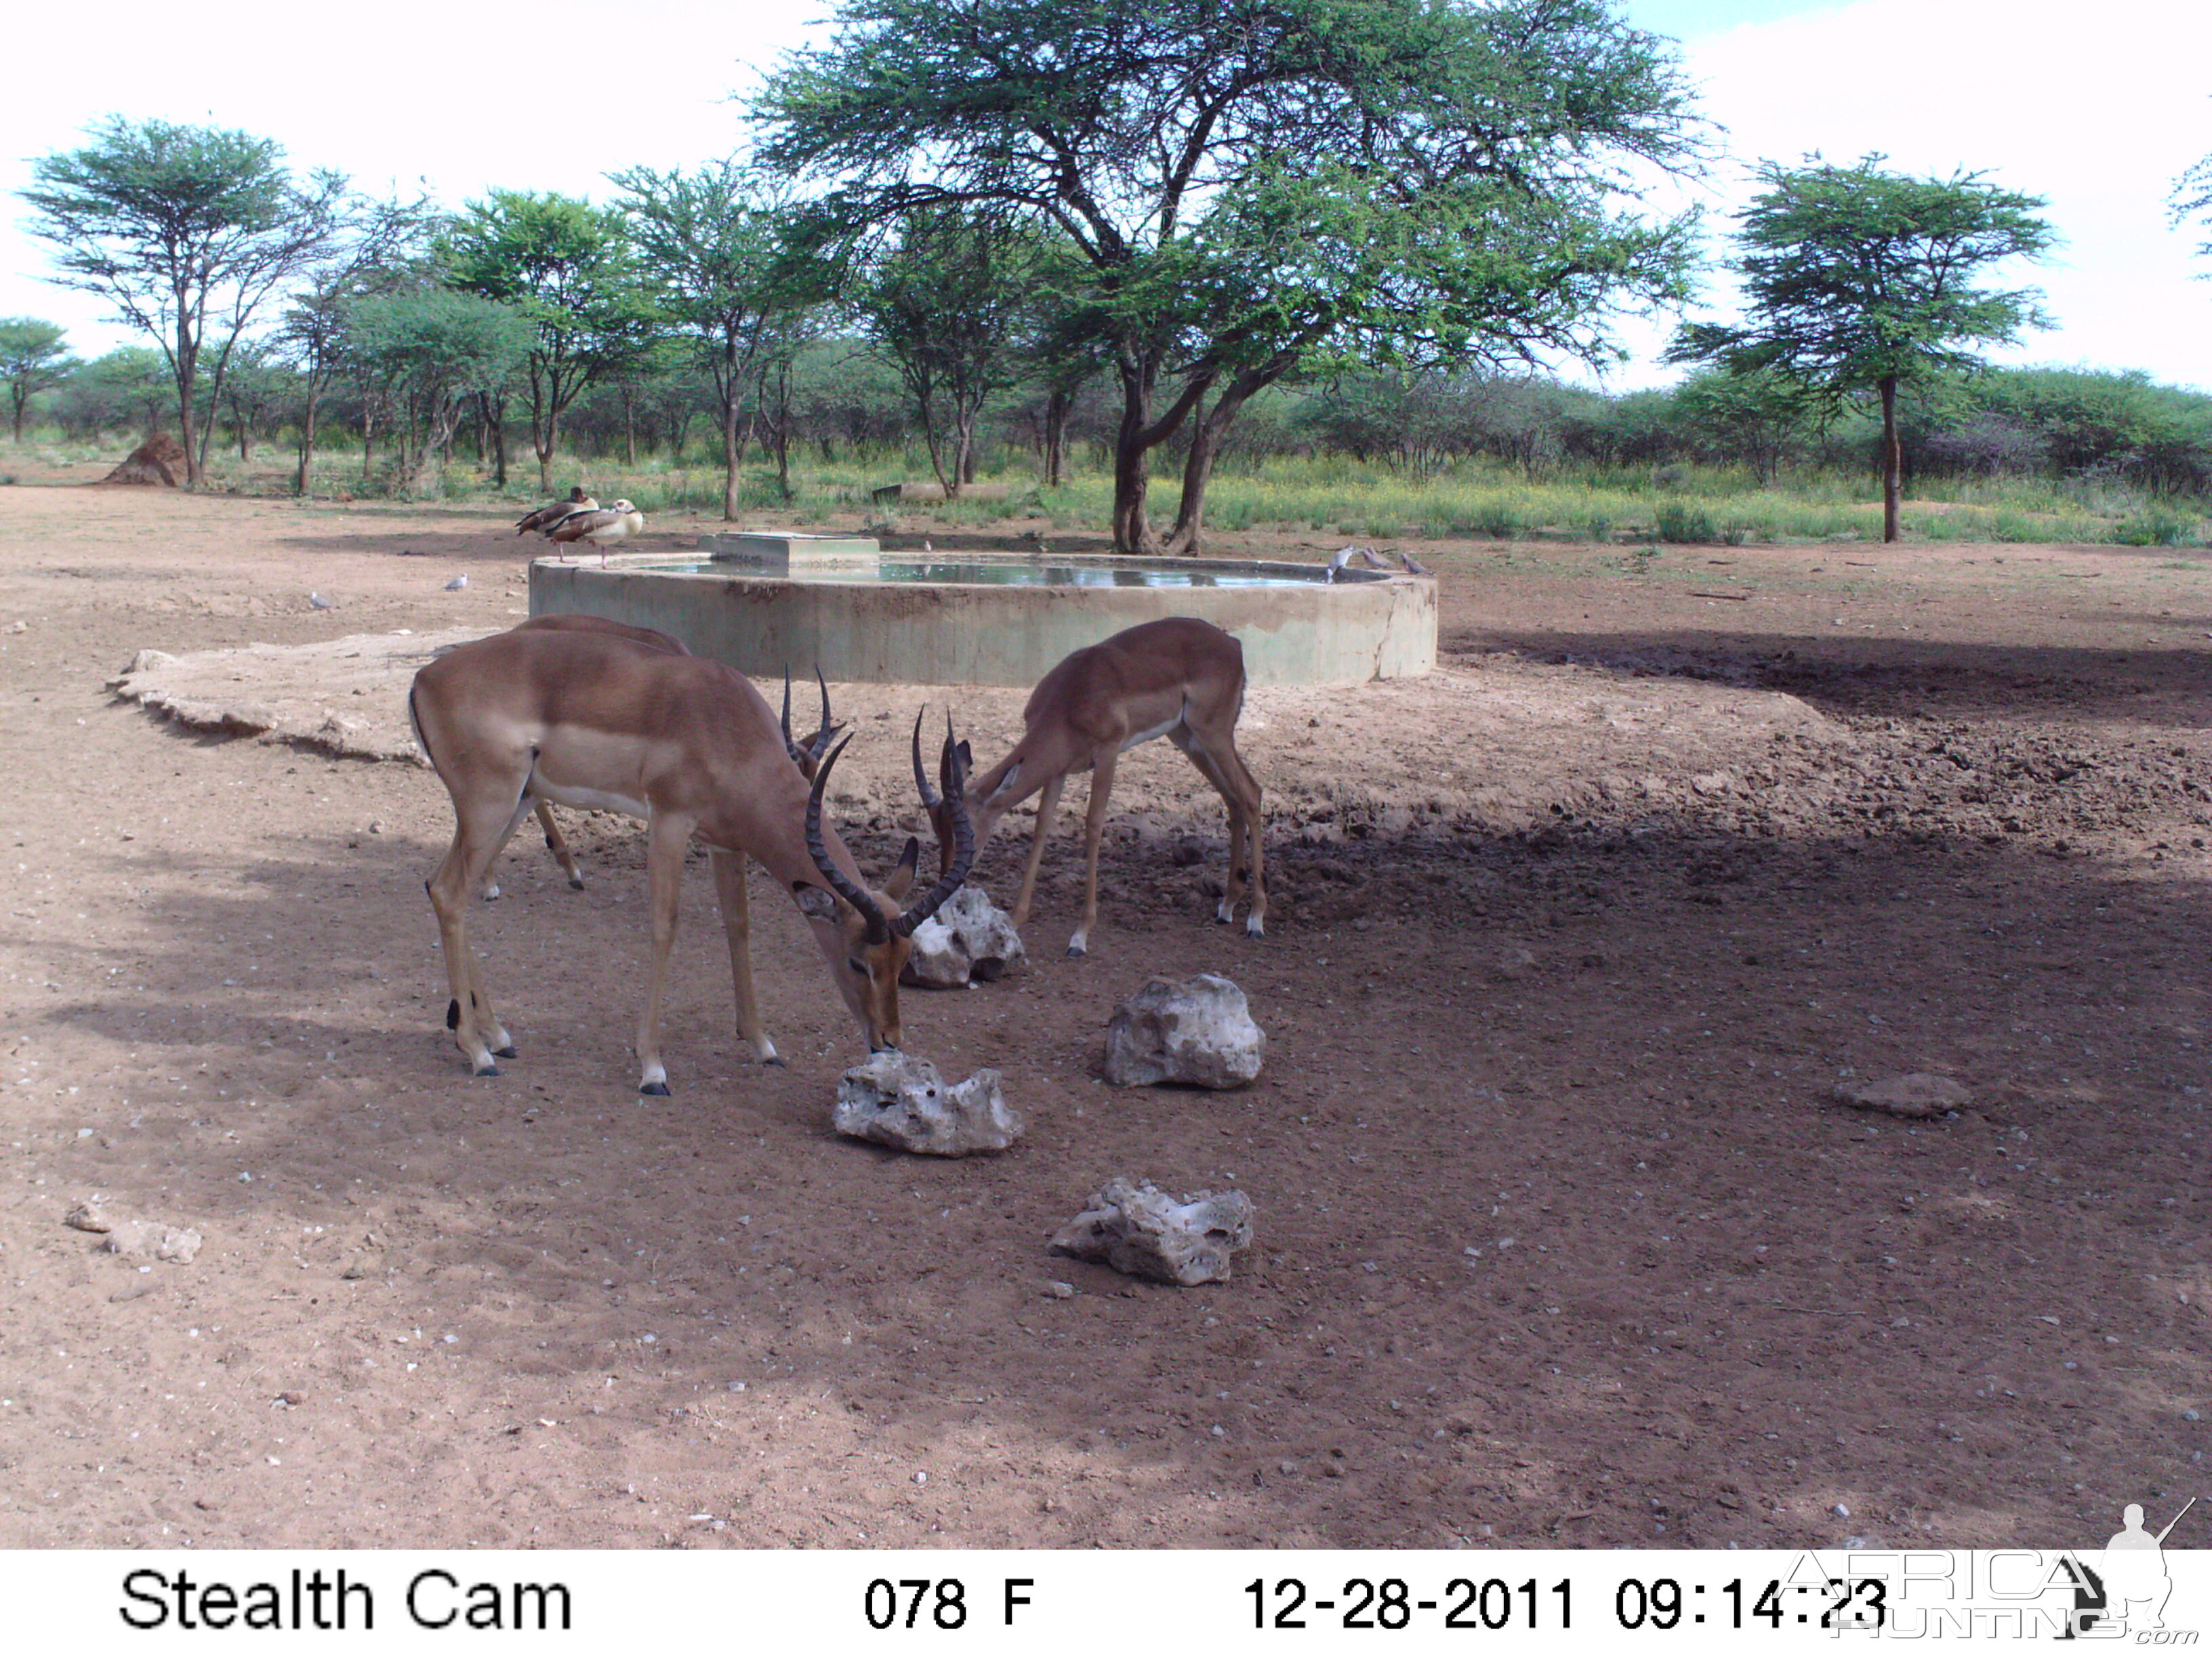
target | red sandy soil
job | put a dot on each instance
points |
(1561, 1237)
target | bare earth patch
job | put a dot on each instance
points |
(1562, 1234)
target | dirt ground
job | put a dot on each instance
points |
(1561, 1237)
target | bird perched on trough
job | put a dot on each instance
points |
(545, 518)
(1344, 556)
(621, 522)
(1413, 566)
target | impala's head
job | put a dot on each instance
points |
(867, 937)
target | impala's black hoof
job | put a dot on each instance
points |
(776, 1060)
(576, 882)
(652, 1088)
(1077, 950)
(507, 1053)
(488, 1070)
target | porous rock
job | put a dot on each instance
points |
(902, 1101)
(1141, 1231)
(1914, 1094)
(179, 1244)
(969, 941)
(1199, 1031)
(88, 1217)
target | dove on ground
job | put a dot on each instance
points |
(456, 583)
(321, 604)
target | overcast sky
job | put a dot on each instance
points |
(2096, 108)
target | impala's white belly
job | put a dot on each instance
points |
(1149, 733)
(587, 800)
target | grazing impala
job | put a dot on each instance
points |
(1178, 678)
(807, 758)
(590, 719)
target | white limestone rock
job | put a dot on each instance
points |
(1198, 1032)
(151, 1238)
(1914, 1094)
(902, 1101)
(1141, 1231)
(970, 941)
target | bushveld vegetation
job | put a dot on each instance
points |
(1109, 284)
(2005, 455)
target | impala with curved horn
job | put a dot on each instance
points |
(1178, 678)
(586, 718)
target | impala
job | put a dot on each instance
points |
(590, 719)
(1178, 678)
(651, 639)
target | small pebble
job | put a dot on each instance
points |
(1059, 1289)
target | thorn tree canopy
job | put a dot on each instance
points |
(186, 231)
(716, 240)
(1258, 186)
(1856, 280)
(568, 267)
(32, 358)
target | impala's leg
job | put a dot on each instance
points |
(459, 876)
(666, 838)
(506, 834)
(555, 845)
(730, 893)
(1047, 804)
(1240, 792)
(1094, 826)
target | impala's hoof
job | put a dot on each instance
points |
(652, 1088)
(507, 1053)
(1254, 930)
(484, 1071)
(576, 882)
(778, 1062)
(1077, 950)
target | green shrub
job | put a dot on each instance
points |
(2154, 525)
(1680, 522)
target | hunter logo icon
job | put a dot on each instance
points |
(2135, 1582)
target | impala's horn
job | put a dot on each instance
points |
(820, 741)
(929, 796)
(879, 926)
(962, 856)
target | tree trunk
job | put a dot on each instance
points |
(187, 373)
(21, 398)
(629, 430)
(304, 484)
(1890, 458)
(730, 456)
(1056, 437)
(498, 406)
(1132, 533)
(1198, 468)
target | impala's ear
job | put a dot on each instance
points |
(816, 904)
(902, 877)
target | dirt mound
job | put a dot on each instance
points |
(159, 460)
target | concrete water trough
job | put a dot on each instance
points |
(763, 602)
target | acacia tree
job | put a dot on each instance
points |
(1761, 415)
(187, 231)
(568, 268)
(1255, 186)
(2192, 199)
(718, 242)
(434, 350)
(949, 303)
(379, 250)
(31, 359)
(1856, 280)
